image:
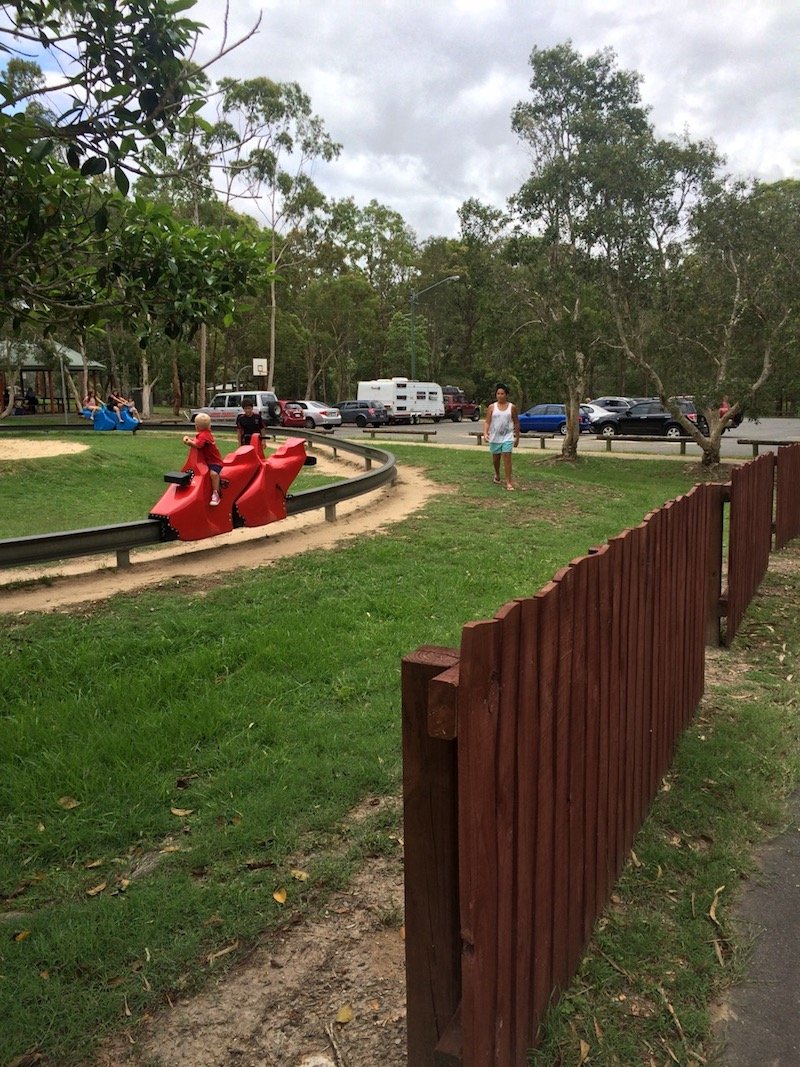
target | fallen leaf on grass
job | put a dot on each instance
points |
(93, 892)
(182, 812)
(21, 935)
(92, 864)
(584, 1053)
(712, 911)
(344, 1015)
(68, 803)
(280, 896)
(300, 876)
(170, 848)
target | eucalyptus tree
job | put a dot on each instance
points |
(734, 314)
(339, 314)
(374, 242)
(483, 296)
(613, 198)
(265, 151)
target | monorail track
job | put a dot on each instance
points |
(381, 469)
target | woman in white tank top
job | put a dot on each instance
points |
(501, 430)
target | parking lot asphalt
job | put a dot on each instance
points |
(459, 433)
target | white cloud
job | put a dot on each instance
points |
(420, 94)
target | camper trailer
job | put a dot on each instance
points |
(406, 400)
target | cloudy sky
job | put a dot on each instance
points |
(419, 93)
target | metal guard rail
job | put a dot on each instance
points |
(68, 544)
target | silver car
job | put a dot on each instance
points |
(224, 407)
(616, 404)
(318, 414)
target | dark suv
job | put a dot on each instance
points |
(648, 418)
(363, 412)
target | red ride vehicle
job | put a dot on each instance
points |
(254, 491)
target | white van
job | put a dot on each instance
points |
(224, 407)
(405, 399)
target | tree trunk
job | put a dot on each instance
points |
(202, 342)
(147, 389)
(84, 369)
(76, 396)
(177, 391)
(273, 311)
(576, 390)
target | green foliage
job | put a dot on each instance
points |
(72, 251)
(126, 78)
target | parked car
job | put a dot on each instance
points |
(549, 418)
(292, 414)
(318, 414)
(224, 407)
(594, 411)
(649, 418)
(363, 412)
(613, 403)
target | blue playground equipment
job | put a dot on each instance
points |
(107, 420)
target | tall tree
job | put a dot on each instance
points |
(607, 190)
(272, 139)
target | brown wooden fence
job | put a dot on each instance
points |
(750, 535)
(531, 755)
(552, 726)
(787, 495)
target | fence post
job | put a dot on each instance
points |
(430, 833)
(718, 494)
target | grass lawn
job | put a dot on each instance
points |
(166, 757)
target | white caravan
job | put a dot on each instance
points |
(405, 400)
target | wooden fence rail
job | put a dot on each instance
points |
(531, 755)
(750, 536)
(787, 495)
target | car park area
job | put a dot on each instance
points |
(549, 418)
(363, 412)
(648, 418)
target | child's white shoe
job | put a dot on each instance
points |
(214, 499)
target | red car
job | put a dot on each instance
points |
(292, 414)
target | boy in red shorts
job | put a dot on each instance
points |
(206, 445)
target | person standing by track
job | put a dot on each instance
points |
(501, 430)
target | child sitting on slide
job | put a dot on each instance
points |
(204, 442)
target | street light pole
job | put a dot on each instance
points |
(413, 298)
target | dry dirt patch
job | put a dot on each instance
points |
(328, 991)
(16, 448)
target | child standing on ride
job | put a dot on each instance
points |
(207, 447)
(501, 429)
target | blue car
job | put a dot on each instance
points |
(549, 418)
